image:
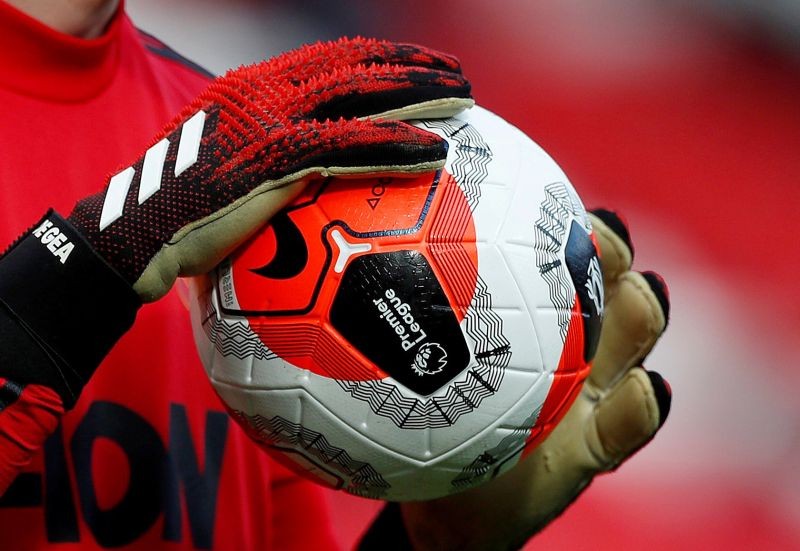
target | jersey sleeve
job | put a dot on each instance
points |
(28, 413)
(62, 308)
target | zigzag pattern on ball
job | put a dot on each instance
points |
(485, 327)
(473, 155)
(492, 350)
(470, 169)
(360, 477)
(551, 229)
(492, 353)
(486, 465)
(233, 337)
(387, 400)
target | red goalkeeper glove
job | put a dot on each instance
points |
(217, 172)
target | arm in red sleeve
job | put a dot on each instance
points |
(62, 308)
(28, 412)
(28, 415)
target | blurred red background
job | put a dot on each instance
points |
(685, 118)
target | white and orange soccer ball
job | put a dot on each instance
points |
(408, 338)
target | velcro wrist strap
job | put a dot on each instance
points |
(65, 296)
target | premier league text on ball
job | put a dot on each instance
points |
(409, 338)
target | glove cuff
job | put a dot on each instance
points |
(69, 301)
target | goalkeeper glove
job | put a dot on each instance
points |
(235, 156)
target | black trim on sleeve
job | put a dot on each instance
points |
(155, 46)
(62, 308)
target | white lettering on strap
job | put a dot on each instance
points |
(56, 242)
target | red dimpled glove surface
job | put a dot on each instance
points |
(271, 123)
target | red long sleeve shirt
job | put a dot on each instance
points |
(147, 459)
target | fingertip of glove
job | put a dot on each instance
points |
(617, 224)
(663, 395)
(367, 145)
(403, 89)
(661, 291)
(409, 53)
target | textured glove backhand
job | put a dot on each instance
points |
(235, 156)
(259, 128)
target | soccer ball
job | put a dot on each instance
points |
(408, 338)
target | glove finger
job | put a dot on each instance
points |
(342, 147)
(366, 146)
(401, 53)
(616, 223)
(660, 289)
(634, 319)
(310, 60)
(616, 248)
(389, 91)
(287, 117)
(663, 392)
(629, 416)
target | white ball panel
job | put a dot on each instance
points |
(422, 463)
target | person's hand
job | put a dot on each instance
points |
(619, 410)
(321, 110)
(236, 155)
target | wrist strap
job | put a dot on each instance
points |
(71, 303)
